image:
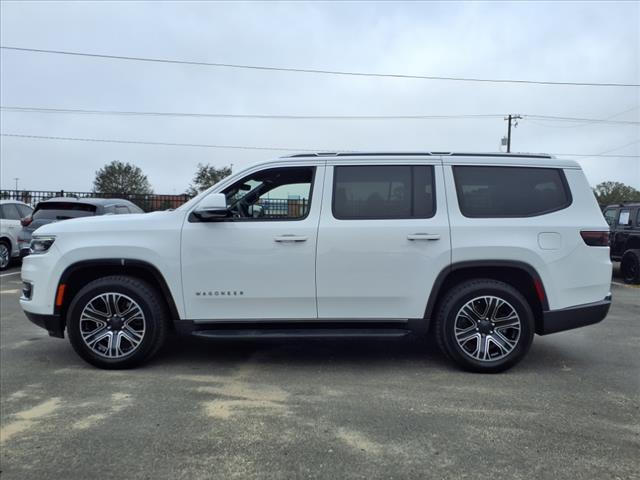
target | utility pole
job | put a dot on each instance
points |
(16, 179)
(514, 119)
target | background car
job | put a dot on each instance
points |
(11, 212)
(624, 239)
(64, 208)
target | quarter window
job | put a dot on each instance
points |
(383, 192)
(493, 192)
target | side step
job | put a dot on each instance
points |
(302, 333)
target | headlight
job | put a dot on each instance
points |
(41, 244)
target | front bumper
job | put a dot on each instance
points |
(574, 317)
(54, 324)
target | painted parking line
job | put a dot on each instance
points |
(9, 274)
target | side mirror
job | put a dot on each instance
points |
(212, 207)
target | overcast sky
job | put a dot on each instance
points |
(572, 41)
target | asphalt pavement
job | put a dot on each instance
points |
(321, 409)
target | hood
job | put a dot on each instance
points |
(109, 223)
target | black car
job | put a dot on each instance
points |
(624, 222)
(64, 208)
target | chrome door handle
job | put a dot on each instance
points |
(423, 236)
(289, 238)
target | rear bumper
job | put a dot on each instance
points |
(574, 317)
(54, 324)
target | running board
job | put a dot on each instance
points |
(302, 333)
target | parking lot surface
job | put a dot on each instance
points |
(321, 409)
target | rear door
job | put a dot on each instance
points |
(383, 238)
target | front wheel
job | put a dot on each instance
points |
(117, 322)
(484, 325)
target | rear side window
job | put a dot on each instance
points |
(62, 210)
(9, 211)
(486, 192)
(383, 192)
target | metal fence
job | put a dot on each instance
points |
(148, 203)
(272, 207)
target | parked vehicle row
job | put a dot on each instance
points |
(11, 212)
(480, 250)
(624, 224)
(18, 220)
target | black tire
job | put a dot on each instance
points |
(154, 318)
(6, 250)
(519, 341)
(630, 266)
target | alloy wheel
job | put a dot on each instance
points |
(5, 255)
(112, 325)
(487, 328)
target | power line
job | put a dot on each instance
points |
(168, 144)
(312, 70)
(301, 117)
(240, 147)
(256, 116)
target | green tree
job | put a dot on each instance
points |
(615, 192)
(121, 178)
(206, 176)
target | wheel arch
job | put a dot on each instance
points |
(520, 275)
(80, 273)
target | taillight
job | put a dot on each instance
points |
(595, 238)
(26, 221)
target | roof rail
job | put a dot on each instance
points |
(416, 154)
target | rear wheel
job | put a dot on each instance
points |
(5, 254)
(484, 325)
(630, 266)
(117, 322)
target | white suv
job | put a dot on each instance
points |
(480, 250)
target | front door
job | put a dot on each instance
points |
(383, 239)
(260, 262)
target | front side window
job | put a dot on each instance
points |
(383, 192)
(624, 218)
(494, 192)
(273, 194)
(610, 216)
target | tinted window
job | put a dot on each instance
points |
(8, 211)
(624, 217)
(510, 191)
(25, 210)
(610, 216)
(383, 192)
(272, 194)
(62, 210)
(120, 209)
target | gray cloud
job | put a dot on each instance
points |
(572, 41)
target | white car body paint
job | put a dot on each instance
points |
(344, 269)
